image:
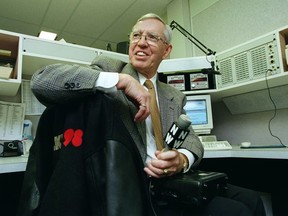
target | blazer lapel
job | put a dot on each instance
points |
(168, 111)
(139, 135)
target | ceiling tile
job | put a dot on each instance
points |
(91, 23)
(76, 39)
(29, 11)
(125, 23)
(18, 27)
(92, 18)
(59, 13)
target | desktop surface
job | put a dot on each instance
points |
(18, 164)
(13, 164)
(238, 152)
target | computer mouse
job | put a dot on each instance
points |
(245, 144)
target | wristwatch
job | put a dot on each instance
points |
(185, 162)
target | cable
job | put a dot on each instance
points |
(274, 106)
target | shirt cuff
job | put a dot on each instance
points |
(107, 82)
(189, 156)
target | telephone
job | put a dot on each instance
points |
(11, 148)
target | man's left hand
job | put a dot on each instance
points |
(168, 163)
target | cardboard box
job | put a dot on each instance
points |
(5, 72)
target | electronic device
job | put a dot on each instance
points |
(188, 80)
(248, 61)
(263, 146)
(199, 81)
(11, 148)
(216, 145)
(177, 81)
(195, 187)
(199, 110)
(245, 144)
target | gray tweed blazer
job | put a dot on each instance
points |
(59, 83)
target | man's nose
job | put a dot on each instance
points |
(143, 39)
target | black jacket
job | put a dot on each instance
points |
(84, 162)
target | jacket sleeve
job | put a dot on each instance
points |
(192, 142)
(59, 83)
(62, 83)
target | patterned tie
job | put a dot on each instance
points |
(155, 115)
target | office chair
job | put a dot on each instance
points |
(83, 161)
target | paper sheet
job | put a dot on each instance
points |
(32, 105)
(11, 120)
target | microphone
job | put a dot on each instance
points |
(177, 133)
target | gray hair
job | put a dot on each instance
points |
(167, 32)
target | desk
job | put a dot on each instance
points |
(18, 164)
(237, 152)
(255, 168)
(261, 169)
(13, 164)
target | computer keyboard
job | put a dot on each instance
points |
(216, 145)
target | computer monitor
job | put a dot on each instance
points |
(198, 108)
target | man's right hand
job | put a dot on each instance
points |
(137, 92)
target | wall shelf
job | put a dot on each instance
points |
(31, 53)
(10, 44)
(244, 68)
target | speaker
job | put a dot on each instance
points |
(123, 47)
(248, 61)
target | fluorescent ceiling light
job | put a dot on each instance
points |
(47, 35)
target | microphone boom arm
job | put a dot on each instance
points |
(191, 38)
(197, 43)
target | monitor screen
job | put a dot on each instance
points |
(198, 108)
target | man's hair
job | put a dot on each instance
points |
(167, 32)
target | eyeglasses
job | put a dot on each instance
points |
(151, 39)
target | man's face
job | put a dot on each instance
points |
(148, 47)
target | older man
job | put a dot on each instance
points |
(150, 43)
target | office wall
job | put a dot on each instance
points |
(178, 10)
(252, 127)
(227, 23)
(220, 25)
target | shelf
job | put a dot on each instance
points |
(32, 62)
(13, 164)
(255, 85)
(58, 50)
(9, 46)
(38, 53)
(31, 53)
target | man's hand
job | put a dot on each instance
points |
(168, 163)
(137, 92)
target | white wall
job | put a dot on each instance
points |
(252, 127)
(178, 10)
(222, 24)
(227, 23)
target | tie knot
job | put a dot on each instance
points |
(149, 84)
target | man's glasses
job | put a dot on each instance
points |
(151, 39)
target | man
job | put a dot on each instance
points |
(149, 45)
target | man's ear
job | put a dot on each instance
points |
(167, 51)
